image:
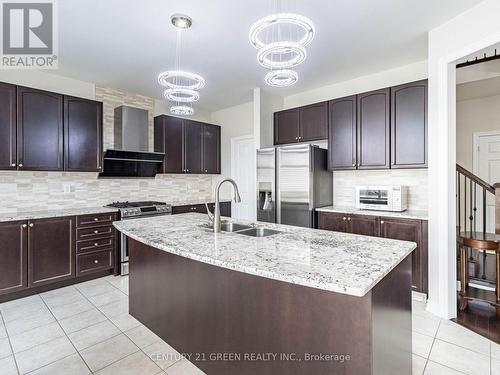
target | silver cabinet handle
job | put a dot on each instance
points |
(344, 218)
(382, 222)
(348, 219)
(96, 232)
(20, 165)
(24, 225)
(96, 261)
(354, 165)
(13, 165)
(96, 219)
(32, 225)
(96, 244)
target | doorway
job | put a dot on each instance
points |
(243, 171)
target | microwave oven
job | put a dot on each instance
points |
(382, 198)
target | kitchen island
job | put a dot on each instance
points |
(301, 301)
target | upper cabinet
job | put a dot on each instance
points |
(308, 123)
(46, 131)
(342, 152)
(409, 125)
(39, 130)
(8, 142)
(189, 146)
(82, 135)
(373, 129)
(380, 129)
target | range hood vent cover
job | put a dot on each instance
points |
(119, 163)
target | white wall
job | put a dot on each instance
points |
(471, 31)
(50, 82)
(235, 121)
(392, 77)
(269, 103)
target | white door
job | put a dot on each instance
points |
(243, 171)
(488, 168)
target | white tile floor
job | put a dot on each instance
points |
(85, 329)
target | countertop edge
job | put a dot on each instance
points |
(409, 214)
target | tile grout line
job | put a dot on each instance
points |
(10, 344)
(59, 324)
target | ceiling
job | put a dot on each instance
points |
(125, 43)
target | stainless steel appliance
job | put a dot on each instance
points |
(132, 210)
(382, 198)
(291, 182)
(130, 156)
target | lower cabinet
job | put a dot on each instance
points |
(386, 227)
(14, 255)
(51, 251)
(225, 209)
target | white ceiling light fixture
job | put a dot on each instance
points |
(181, 86)
(295, 54)
(181, 95)
(282, 18)
(281, 39)
(181, 110)
(281, 78)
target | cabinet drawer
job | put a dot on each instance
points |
(95, 245)
(93, 220)
(94, 262)
(93, 233)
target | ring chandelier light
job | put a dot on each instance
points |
(282, 50)
(182, 87)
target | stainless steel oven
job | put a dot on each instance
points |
(136, 210)
(382, 198)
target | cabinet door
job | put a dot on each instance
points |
(364, 225)
(211, 149)
(7, 126)
(193, 143)
(51, 252)
(409, 230)
(373, 129)
(342, 134)
(313, 120)
(332, 221)
(82, 135)
(409, 125)
(39, 130)
(286, 126)
(169, 139)
(13, 252)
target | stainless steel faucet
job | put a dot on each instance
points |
(216, 215)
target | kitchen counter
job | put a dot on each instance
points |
(195, 201)
(43, 214)
(332, 261)
(408, 214)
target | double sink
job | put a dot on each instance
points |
(247, 230)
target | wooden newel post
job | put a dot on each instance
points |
(497, 207)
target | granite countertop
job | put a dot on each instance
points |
(42, 214)
(332, 261)
(408, 214)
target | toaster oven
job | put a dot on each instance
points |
(382, 198)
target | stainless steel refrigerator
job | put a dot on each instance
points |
(291, 182)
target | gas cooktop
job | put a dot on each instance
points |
(142, 208)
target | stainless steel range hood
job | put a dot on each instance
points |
(130, 156)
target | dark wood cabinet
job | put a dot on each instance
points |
(225, 209)
(13, 252)
(342, 134)
(414, 231)
(364, 225)
(409, 125)
(189, 146)
(307, 123)
(211, 149)
(39, 130)
(193, 143)
(386, 227)
(51, 251)
(82, 135)
(286, 126)
(8, 137)
(333, 221)
(373, 140)
(313, 122)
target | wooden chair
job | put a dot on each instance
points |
(478, 241)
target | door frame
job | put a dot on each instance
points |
(254, 174)
(475, 149)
